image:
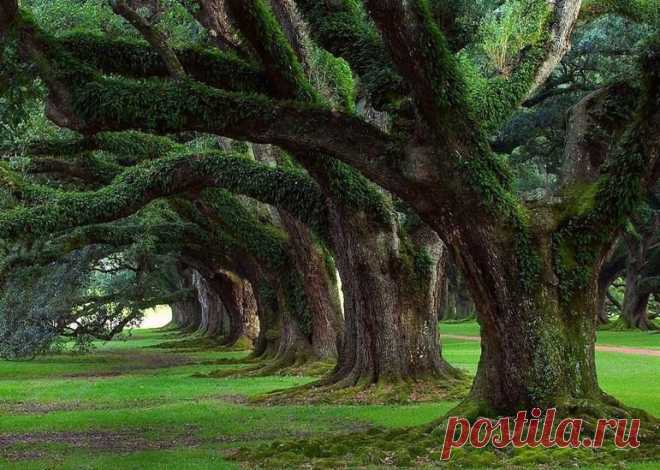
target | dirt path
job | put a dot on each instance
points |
(617, 349)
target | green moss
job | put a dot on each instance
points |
(334, 77)
(441, 68)
(259, 24)
(413, 448)
(493, 181)
(581, 238)
(344, 30)
(296, 300)
(494, 99)
(355, 192)
(139, 60)
(264, 241)
(141, 184)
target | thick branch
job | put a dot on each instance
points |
(422, 55)
(152, 35)
(138, 60)
(640, 11)
(82, 100)
(90, 169)
(169, 236)
(342, 28)
(257, 22)
(212, 15)
(138, 186)
(593, 126)
(106, 104)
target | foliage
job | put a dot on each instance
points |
(512, 27)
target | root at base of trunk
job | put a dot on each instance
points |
(298, 364)
(429, 389)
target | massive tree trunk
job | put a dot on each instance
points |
(536, 352)
(635, 309)
(636, 298)
(238, 299)
(390, 303)
(213, 313)
(537, 340)
(320, 286)
(612, 269)
(283, 339)
(186, 314)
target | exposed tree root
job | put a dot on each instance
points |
(202, 343)
(381, 392)
(288, 365)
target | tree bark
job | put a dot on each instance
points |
(281, 339)
(390, 311)
(635, 309)
(536, 352)
(187, 314)
(320, 286)
(238, 299)
(320, 289)
(537, 348)
(213, 313)
(639, 248)
(635, 300)
(612, 269)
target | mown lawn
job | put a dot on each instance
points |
(129, 405)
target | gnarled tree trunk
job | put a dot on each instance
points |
(320, 289)
(320, 286)
(187, 314)
(282, 337)
(238, 299)
(636, 298)
(390, 303)
(213, 313)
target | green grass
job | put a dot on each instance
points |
(627, 377)
(629, 339)
(148, 411)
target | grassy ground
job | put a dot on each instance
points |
(129, 405)
(629, 339)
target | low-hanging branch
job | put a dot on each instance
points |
(140, 185)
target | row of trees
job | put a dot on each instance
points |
(315, 165)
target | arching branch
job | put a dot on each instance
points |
(494, 99)
(138, 186)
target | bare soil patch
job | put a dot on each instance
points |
(115, 441)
